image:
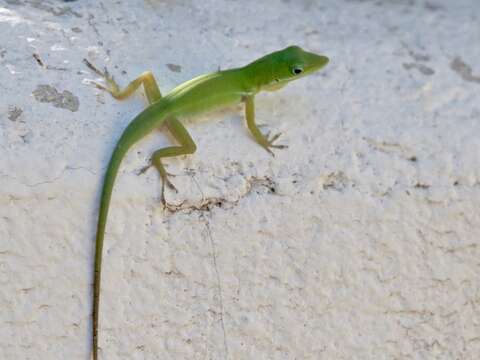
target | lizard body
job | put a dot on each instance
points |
(201, 94)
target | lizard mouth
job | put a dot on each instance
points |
(275, 85)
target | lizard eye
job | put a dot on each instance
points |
(297, 70)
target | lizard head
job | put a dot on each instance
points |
(289, 64)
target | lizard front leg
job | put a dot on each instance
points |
(265, 141)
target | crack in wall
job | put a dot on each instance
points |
(206, 204)
(47, 181)
(219, 283)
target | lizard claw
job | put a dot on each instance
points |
(274, 137)
(144, 169)
(93, 67)
(270, 152)
(269, 143)
(170, 185)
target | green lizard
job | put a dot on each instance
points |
(199, 95)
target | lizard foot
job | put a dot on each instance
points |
(269, 143)
(112, 86)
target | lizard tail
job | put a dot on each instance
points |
(146, 121)
(109, 180)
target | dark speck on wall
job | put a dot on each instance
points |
(425, 70)
(174, 68)
(432, 6)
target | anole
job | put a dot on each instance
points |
(199, 95)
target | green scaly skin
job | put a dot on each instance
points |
(199, 95)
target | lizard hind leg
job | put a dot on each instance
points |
(146, 79)
(187, 146)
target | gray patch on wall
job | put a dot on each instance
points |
(14, 113)
(464, 70)
(64, 100)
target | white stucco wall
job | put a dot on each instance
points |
(359, 241)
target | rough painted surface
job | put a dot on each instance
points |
(360, 241)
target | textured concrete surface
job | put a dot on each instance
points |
(359, 241)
